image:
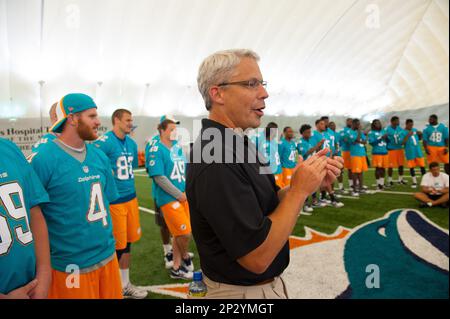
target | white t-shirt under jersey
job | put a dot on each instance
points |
(437, 183)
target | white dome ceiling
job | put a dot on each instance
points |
(343, 57)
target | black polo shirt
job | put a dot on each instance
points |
(229, 204)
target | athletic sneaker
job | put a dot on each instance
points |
(391, 184)
(188, 264)
(363, 191)
(132, 292)
(355, 194)
(403, 182)
(380, 187)
(191, 255)
(307, 209)
(414, 185)
(302, 212)
(365, 187)
(325, 201)
(337, 204)
(181, 273)
(318, 205)
(426, 205)
(168, 260)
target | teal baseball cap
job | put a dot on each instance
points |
(168, 117)
(71, 104)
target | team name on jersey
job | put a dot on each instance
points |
(88, 178)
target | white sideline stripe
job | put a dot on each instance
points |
(395, 193)
(347, 197)
(146, 210)
(139, 170)
(141, 175)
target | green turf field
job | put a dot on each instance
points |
(148, 266)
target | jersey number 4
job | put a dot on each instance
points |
(16, 211)
(97, 210)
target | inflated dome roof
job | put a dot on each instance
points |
(343, 57)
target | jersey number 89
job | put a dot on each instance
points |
(17, 211)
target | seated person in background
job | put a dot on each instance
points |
(434, 188)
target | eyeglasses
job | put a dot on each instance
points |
(251, 84)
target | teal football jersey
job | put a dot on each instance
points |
(20, 190)
(148, 146)
(43, 140)
(123, 157)
(317, 136)
(356, 149)
(343, 139)
(435, 135)
(332, 138)
(270, 149)
(394, 140)
(303, 147)
(288, 153)
(78, 216)
(336, 142)
(412, 146)
(379, 145)
(170, 163)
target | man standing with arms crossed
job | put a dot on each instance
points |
(414, 154)
(395, 150)
(380, 158)
(122, 152)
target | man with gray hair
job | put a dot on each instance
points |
(241, 221)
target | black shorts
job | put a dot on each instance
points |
(159, 218)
